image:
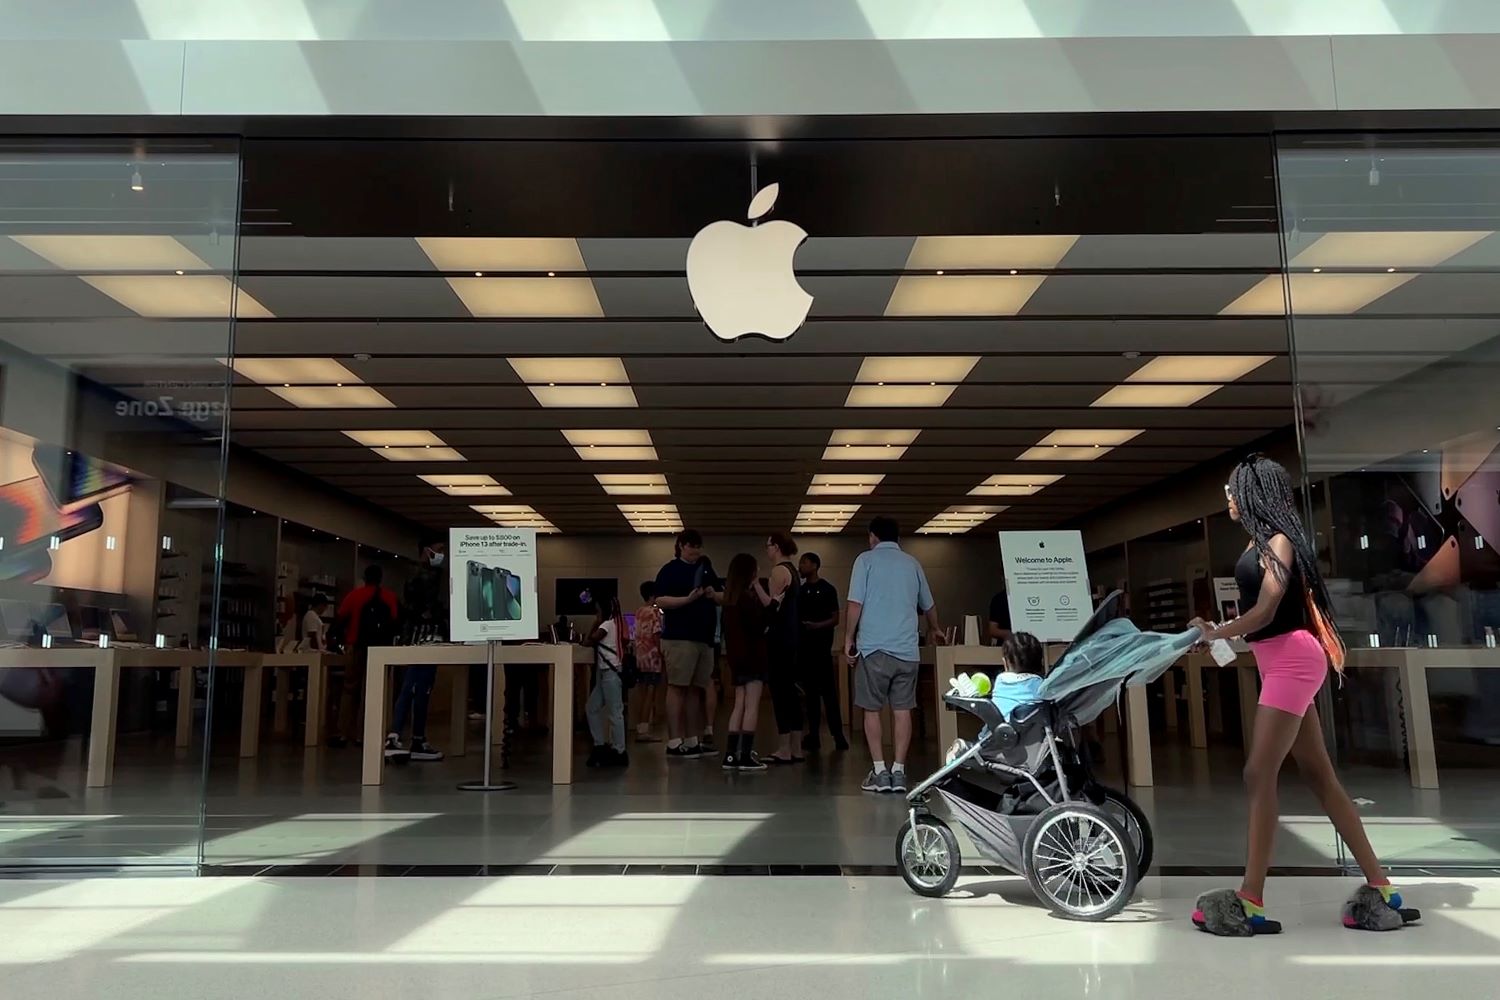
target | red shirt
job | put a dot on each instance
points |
(356, 599)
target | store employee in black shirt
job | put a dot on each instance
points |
(688, 592)
(818, 606)
(999, 626)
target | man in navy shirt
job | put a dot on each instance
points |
(688, 592)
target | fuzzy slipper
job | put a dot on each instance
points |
(1225, 913)
(1378, 908)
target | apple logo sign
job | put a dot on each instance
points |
(741, 277)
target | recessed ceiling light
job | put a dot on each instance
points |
(633, 484)
(988, 253)
(426, 453)
(293, 371)
(394, 438)
(1199, 368)
(500, 253)
(515, 298)
(961, 295)
(868, 444)
(959, 520)
(457, 479)
(615, 445)
(1077, 445)
(166, 296)
(823, 518)
(1164, 396)
(114, 253)
(332, 397)
(1315, 294)
(846, 485)
(1383, 249)
(569, 371)
(1014, 485)
(908, 381)
(585, 396)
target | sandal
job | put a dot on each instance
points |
(1378, 908)
(1225, 913)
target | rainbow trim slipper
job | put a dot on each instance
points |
(1378, 908)
(1225, 913)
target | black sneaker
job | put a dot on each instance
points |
(394, 750)
(752, 762)
(684, 752)
(618, 758)
(729, 763)
(422, 750)
(707, 745)
(596, 757)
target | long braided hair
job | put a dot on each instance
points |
(1262, 491)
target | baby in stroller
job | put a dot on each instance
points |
(1024, 791)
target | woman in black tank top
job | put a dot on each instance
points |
(781, 646)
(1286, 614)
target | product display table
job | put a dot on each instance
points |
(378, 697)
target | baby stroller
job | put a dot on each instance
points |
(1024, 792)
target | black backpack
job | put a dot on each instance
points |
(377, 626)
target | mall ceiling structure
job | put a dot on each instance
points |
(1003, 333)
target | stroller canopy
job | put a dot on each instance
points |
(1111, 650)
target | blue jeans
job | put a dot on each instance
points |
(608, 697)
(416, 692)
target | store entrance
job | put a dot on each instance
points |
(999, 335)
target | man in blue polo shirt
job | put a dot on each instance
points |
(887, 593)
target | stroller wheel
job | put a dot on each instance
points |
(1123, 810)
(1080, 861)
(928, 857)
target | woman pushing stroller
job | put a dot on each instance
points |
(1289, 627)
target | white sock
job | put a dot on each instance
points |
(394, 736)
(690, 742)
(708, 731)
(898, 768)
(879, 766)
(673, 744)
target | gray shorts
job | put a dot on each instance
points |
(880, 679)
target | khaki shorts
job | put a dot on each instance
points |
(880, 680)
(689, 664)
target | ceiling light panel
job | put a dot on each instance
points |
(515, 516)
(988, 253)
(1013, 485)
(897, 396)
(295, 371)
(177, 296)
(915, 370)
(387, 439)
(569, 371)
(844, 485)
(475, 491)
(490, 253)
(652, 518)
(614, 445)
(1387, 249)
(457, 479)
(959, 520)
(877, 445)
(600, 396)
(1316, 294)
(519, 298)
(1077, 445)
(961, 294)
(1198, 368)
(113, 253)
(332, 397)
(633, 484)
(428, 453)
(1164, 396)
(823, 518)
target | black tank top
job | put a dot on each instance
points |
(784, 624)
(1291, 612)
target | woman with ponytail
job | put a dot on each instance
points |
(1289, 625)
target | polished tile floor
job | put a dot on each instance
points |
(287, 807)
(647, 937)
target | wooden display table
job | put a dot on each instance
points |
(377, 695)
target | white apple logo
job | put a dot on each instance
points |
(741, 277)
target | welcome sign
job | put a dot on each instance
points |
(1046, 583)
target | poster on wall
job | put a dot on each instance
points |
(493, 588)
(1046, 583)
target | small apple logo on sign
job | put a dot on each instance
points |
(741, 277)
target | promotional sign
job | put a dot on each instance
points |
(492, 584)
(1046, 583)
(1227, 605)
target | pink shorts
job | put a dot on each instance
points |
(1292, 668)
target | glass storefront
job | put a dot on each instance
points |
(116, 284)
(1392, 259)
(181, 497)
